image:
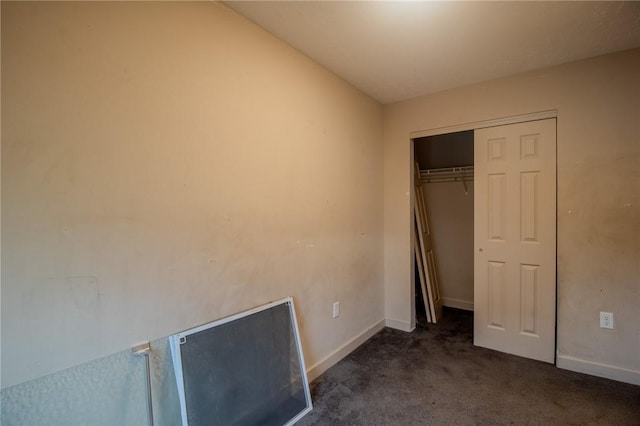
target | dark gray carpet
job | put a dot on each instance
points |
(435, 376)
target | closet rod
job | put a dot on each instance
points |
(448, 174)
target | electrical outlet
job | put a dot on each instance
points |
(336, 309)
(606, 320)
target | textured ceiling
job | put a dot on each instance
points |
(395, 50)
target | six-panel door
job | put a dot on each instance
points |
(515, 239)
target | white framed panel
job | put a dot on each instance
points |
(244, 369)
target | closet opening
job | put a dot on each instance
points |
(443, 224)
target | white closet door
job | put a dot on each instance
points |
(426, 250)
(515, 239)
(421, 272)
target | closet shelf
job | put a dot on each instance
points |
(447, 174)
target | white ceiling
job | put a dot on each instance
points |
(396, 50)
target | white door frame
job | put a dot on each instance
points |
(541, 115)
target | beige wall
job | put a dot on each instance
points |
(168, 164)
(598, 106)
(451, 225)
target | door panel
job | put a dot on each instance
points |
(426, 250)
(421, 271)
(515, 239)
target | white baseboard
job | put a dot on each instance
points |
(399, 325)
(330, 360)
(457, 303)
(597, 369)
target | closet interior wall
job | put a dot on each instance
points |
(450, 209)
